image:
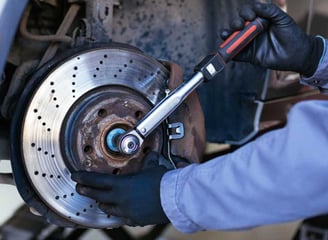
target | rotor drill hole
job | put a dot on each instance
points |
(87, 149)
(102, 113)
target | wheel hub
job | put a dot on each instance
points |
(94, 124)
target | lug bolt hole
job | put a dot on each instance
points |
(116, 171)
(138, 114)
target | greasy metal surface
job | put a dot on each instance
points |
(99, 14)
(61, 31)
(47, 110)
(190, 113)
(90, 121)
(36, 37)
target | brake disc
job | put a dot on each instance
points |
(67, 114)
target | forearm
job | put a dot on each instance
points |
(280, 177)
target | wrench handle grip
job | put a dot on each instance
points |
(240, 39)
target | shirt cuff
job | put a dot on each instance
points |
(320, 78)
(169, 200)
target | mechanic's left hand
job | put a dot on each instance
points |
(135, 197)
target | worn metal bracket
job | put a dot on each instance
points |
(176, 131)
(99, 19)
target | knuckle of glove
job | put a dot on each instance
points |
(247, 13)
(225, 33)
(237, 24)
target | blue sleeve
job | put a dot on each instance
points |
(280, 177)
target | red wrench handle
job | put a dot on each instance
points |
(240, 39)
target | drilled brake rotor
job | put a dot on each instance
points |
(70, 116)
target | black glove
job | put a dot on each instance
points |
(284, 46)
(135, 197)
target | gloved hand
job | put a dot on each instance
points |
(284, 46)
(135, 197)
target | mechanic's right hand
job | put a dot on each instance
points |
(284, 46)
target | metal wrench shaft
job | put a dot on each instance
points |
(130, 142)
(168, 105)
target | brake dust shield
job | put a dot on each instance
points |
(65, 116)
